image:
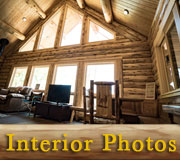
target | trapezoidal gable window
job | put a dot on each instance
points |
(48, 33)
(72, 28)
(98, 33)
(18, 77)
(29, 45)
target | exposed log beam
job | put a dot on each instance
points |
(81, 3)
(7, 28)
(36, 7)
(107, 10)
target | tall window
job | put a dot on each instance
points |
(72, 28)
(66, 75)
(39, 77)
(171, 52)
(99, 72)
(97, 33)
(49, 30)
(29, 45)
(18, 77)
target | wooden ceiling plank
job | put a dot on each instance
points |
(7, 28)
(81, 3)
(36, 7)
(107, 10)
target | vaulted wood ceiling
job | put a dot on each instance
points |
(139, 19)
(141, 12)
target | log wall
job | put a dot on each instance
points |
(137, 65)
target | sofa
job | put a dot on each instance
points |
(13, 99)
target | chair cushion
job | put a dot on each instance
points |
(4, 91)
(3, 97)
(26, 91)
(13, 90)
(16, 95)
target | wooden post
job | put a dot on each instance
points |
(84, 103)
(91, 102)
(85, 30)
(28, 74)
(49, 80)
(117, 104)
(60, 27)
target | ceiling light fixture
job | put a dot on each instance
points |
(24, 19)
(126, 12)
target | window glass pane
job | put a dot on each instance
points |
(168, 67)
(66, 75)
(98, 33)
(18, 77)
(72, 28)
(174, 45)
(29, 45)
(39, 76)
(48, 34)
(99, 72)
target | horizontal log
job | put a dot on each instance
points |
(133, 96)
(142, 66)
(114, 44)
(147, 72)
(138, 78)
(134, 91)
(137, 60)
(141, 85)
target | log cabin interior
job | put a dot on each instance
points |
(114, 58)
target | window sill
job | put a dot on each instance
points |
(170, 94)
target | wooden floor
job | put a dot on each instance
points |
(26, 118)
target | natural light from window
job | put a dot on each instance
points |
(29, 45)
(39, 76)
(72, 28)
(18, 77)
(66, 75)
(99, 72)
(97, 33)
(49, 30)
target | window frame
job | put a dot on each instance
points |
(42, 29)
(99, 63)
(34, 35)
(63, 26)
(14, 73)
(32, 74)
(63, 65)
(102, 26)
(172, 18)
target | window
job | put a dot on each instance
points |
(49, 30)
(171, 52)
(97, 33)
(72, 28)
(66, 75)
(29, 45)
(99, 72)
(174, 44)
(39, 76)
(18, 77)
